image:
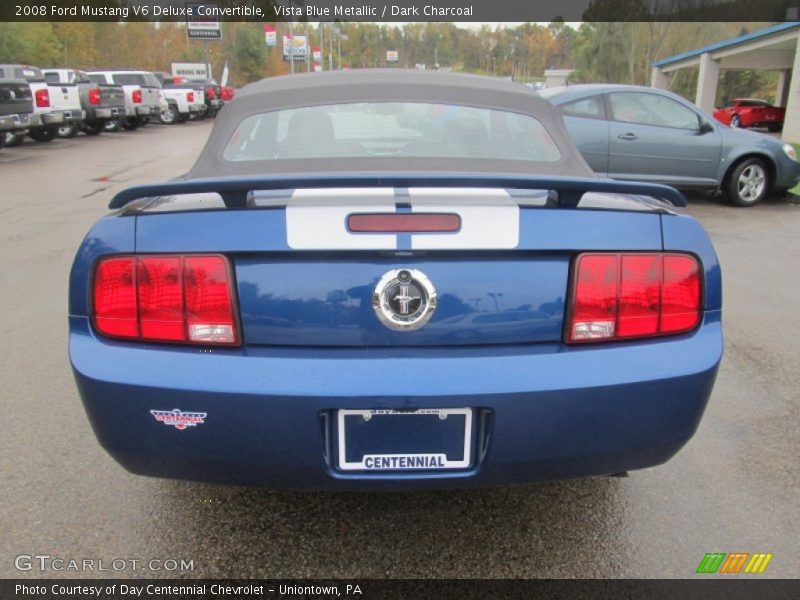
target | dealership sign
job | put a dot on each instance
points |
(392, 56)
(270, 36)
(201, 26)
(190, 70)
(296, 47)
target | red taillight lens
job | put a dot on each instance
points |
(190, 96)
(115, 305)
(42, 98)
(137, 96)
(169, 298)
(680, 295)
(94, 96)
(622, 296)
(161, 298)
(212, 93)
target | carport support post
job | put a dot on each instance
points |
(707, 83)
(791, 123)
(659, 79)
(782, 89)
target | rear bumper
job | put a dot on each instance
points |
(105, 113)
(15, 122)
(143, 111)
(52, 118)
(546, 412)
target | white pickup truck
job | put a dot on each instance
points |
(100, 103)
(142, 92)
(184, 101)
(53, 105)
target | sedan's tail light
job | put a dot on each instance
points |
(42, 98)
(166, 298)
(624, 296)
(137, 96)
(94, 96)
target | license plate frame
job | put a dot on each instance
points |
(399, 462)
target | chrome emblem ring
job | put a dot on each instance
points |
(404, 299)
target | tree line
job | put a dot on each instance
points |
(597, 51)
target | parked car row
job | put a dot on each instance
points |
(47, 103)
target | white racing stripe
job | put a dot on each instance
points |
(489, 218)
(316, 219)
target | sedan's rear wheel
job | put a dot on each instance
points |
(736, 121)
(67, 130)
(748, 183)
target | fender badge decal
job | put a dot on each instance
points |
(179, 419)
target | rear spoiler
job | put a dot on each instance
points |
(236, 190)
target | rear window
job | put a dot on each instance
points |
(99, 79)
(141, 79)
(27, 73)
(391, 130)
(591, 108)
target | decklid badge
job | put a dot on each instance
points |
(179, 419)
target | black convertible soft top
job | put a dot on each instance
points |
(386, 85)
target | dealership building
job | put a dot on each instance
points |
(772, 49)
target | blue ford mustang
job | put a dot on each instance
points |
(393, 280)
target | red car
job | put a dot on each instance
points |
(748, 112)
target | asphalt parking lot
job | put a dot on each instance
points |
(734, 488)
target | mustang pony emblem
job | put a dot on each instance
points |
(404, 299)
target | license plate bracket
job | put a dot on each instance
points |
(392, 440)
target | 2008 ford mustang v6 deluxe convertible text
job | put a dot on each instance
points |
(391, 280)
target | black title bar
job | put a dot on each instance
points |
(388, 11)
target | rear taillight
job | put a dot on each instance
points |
(624, 296)
(190, 96)
(94, 96)
(137, 96)
(42, 98)
(165, 298)
(212, 93)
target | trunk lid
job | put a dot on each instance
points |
(305, 278)
(15, 98)
(111, 95)
(65, 96)
(151, 96)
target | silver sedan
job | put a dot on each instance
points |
(645, 134)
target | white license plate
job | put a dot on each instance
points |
(390, 440)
